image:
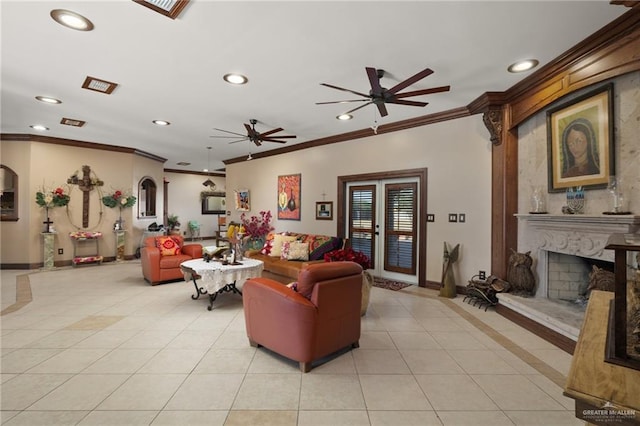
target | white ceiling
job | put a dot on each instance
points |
(172, 69)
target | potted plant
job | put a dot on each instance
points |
(173, 224)
(349, 254)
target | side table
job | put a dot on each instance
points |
(82, 238)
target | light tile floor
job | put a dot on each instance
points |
(99, 346)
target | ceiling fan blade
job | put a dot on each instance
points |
(257, 142)
(361, 106)
(422, 92)
(226, 137)
(226, 131)
(239, 140)
(406, 102)
(250, 131)
(279, 129)
(408, 82)
(342, 102)
(382, 109)
(272, 140)
(344, 90)
(376, 89)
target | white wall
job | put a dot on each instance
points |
(184, 200)
(456, 153)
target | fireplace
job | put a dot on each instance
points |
(564, 248)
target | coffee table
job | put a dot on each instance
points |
(216, 278)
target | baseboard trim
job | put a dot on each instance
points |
(551, 336)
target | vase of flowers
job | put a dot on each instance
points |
(361, 259)
(256, 229)
(50, 199)
(120, 200)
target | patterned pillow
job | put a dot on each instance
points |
(295, 250)
(268, 243)
(321, 244)
(168, 246)
(278, 240)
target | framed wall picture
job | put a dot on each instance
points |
(289, 197)
(324, 210)
(580, 141)
(243, 202)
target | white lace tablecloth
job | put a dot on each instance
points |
(214, 275)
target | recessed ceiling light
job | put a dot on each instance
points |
(71, 20)
(344, 117)
(161, 122)
(522, 66)
(39, 127)
(235, 78)
(48, 100)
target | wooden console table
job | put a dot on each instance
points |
(605, 393)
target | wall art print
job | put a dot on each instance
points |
(580, 141)
(289, 197)
(243, 202)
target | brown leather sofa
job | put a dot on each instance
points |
(320, 318)
(157, 268)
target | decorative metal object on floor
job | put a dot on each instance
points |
(484, 292)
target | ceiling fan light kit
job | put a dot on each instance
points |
(380, 96)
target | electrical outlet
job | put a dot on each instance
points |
(462, 217)
(482, 275)
(60, 251)
(453, 217)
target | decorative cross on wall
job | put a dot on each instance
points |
(86, 185)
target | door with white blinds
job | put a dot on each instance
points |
(383, 224)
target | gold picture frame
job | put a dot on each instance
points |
(243, 202)
(580, 141)
(324, 210)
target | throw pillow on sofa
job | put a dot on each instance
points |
(321, 244)
(168, 246)
(295, 250)
(278, 240)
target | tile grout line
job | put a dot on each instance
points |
(524, 355)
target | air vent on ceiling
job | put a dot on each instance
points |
(183, 163)
(97, 85)
(72, 122)
(170, 8)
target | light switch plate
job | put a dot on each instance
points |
(431, 217)
(462, 217)
(453, 217)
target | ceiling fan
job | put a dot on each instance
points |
(379, 96)
(254, 136)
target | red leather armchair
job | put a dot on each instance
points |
(300, 328)
(157, 268)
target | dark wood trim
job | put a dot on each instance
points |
(190, 172)
(173, 13)
(551, 336)
(421, 174)
(362, 133)
(25, 137)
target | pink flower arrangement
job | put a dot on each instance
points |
(348, 254)
(257, 227)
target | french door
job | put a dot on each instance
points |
(382, 222)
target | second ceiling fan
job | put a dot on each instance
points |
(254, 136)
(379, 96)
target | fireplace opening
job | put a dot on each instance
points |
(568, 276)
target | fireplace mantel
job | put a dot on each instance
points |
(579, 235)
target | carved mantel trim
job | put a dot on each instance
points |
(579, 235)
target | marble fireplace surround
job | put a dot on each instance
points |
(578, 235)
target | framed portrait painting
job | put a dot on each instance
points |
(289, 196)
(324, 210)
(243, 203)
(580, 141)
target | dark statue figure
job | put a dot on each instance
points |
(519, 274)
